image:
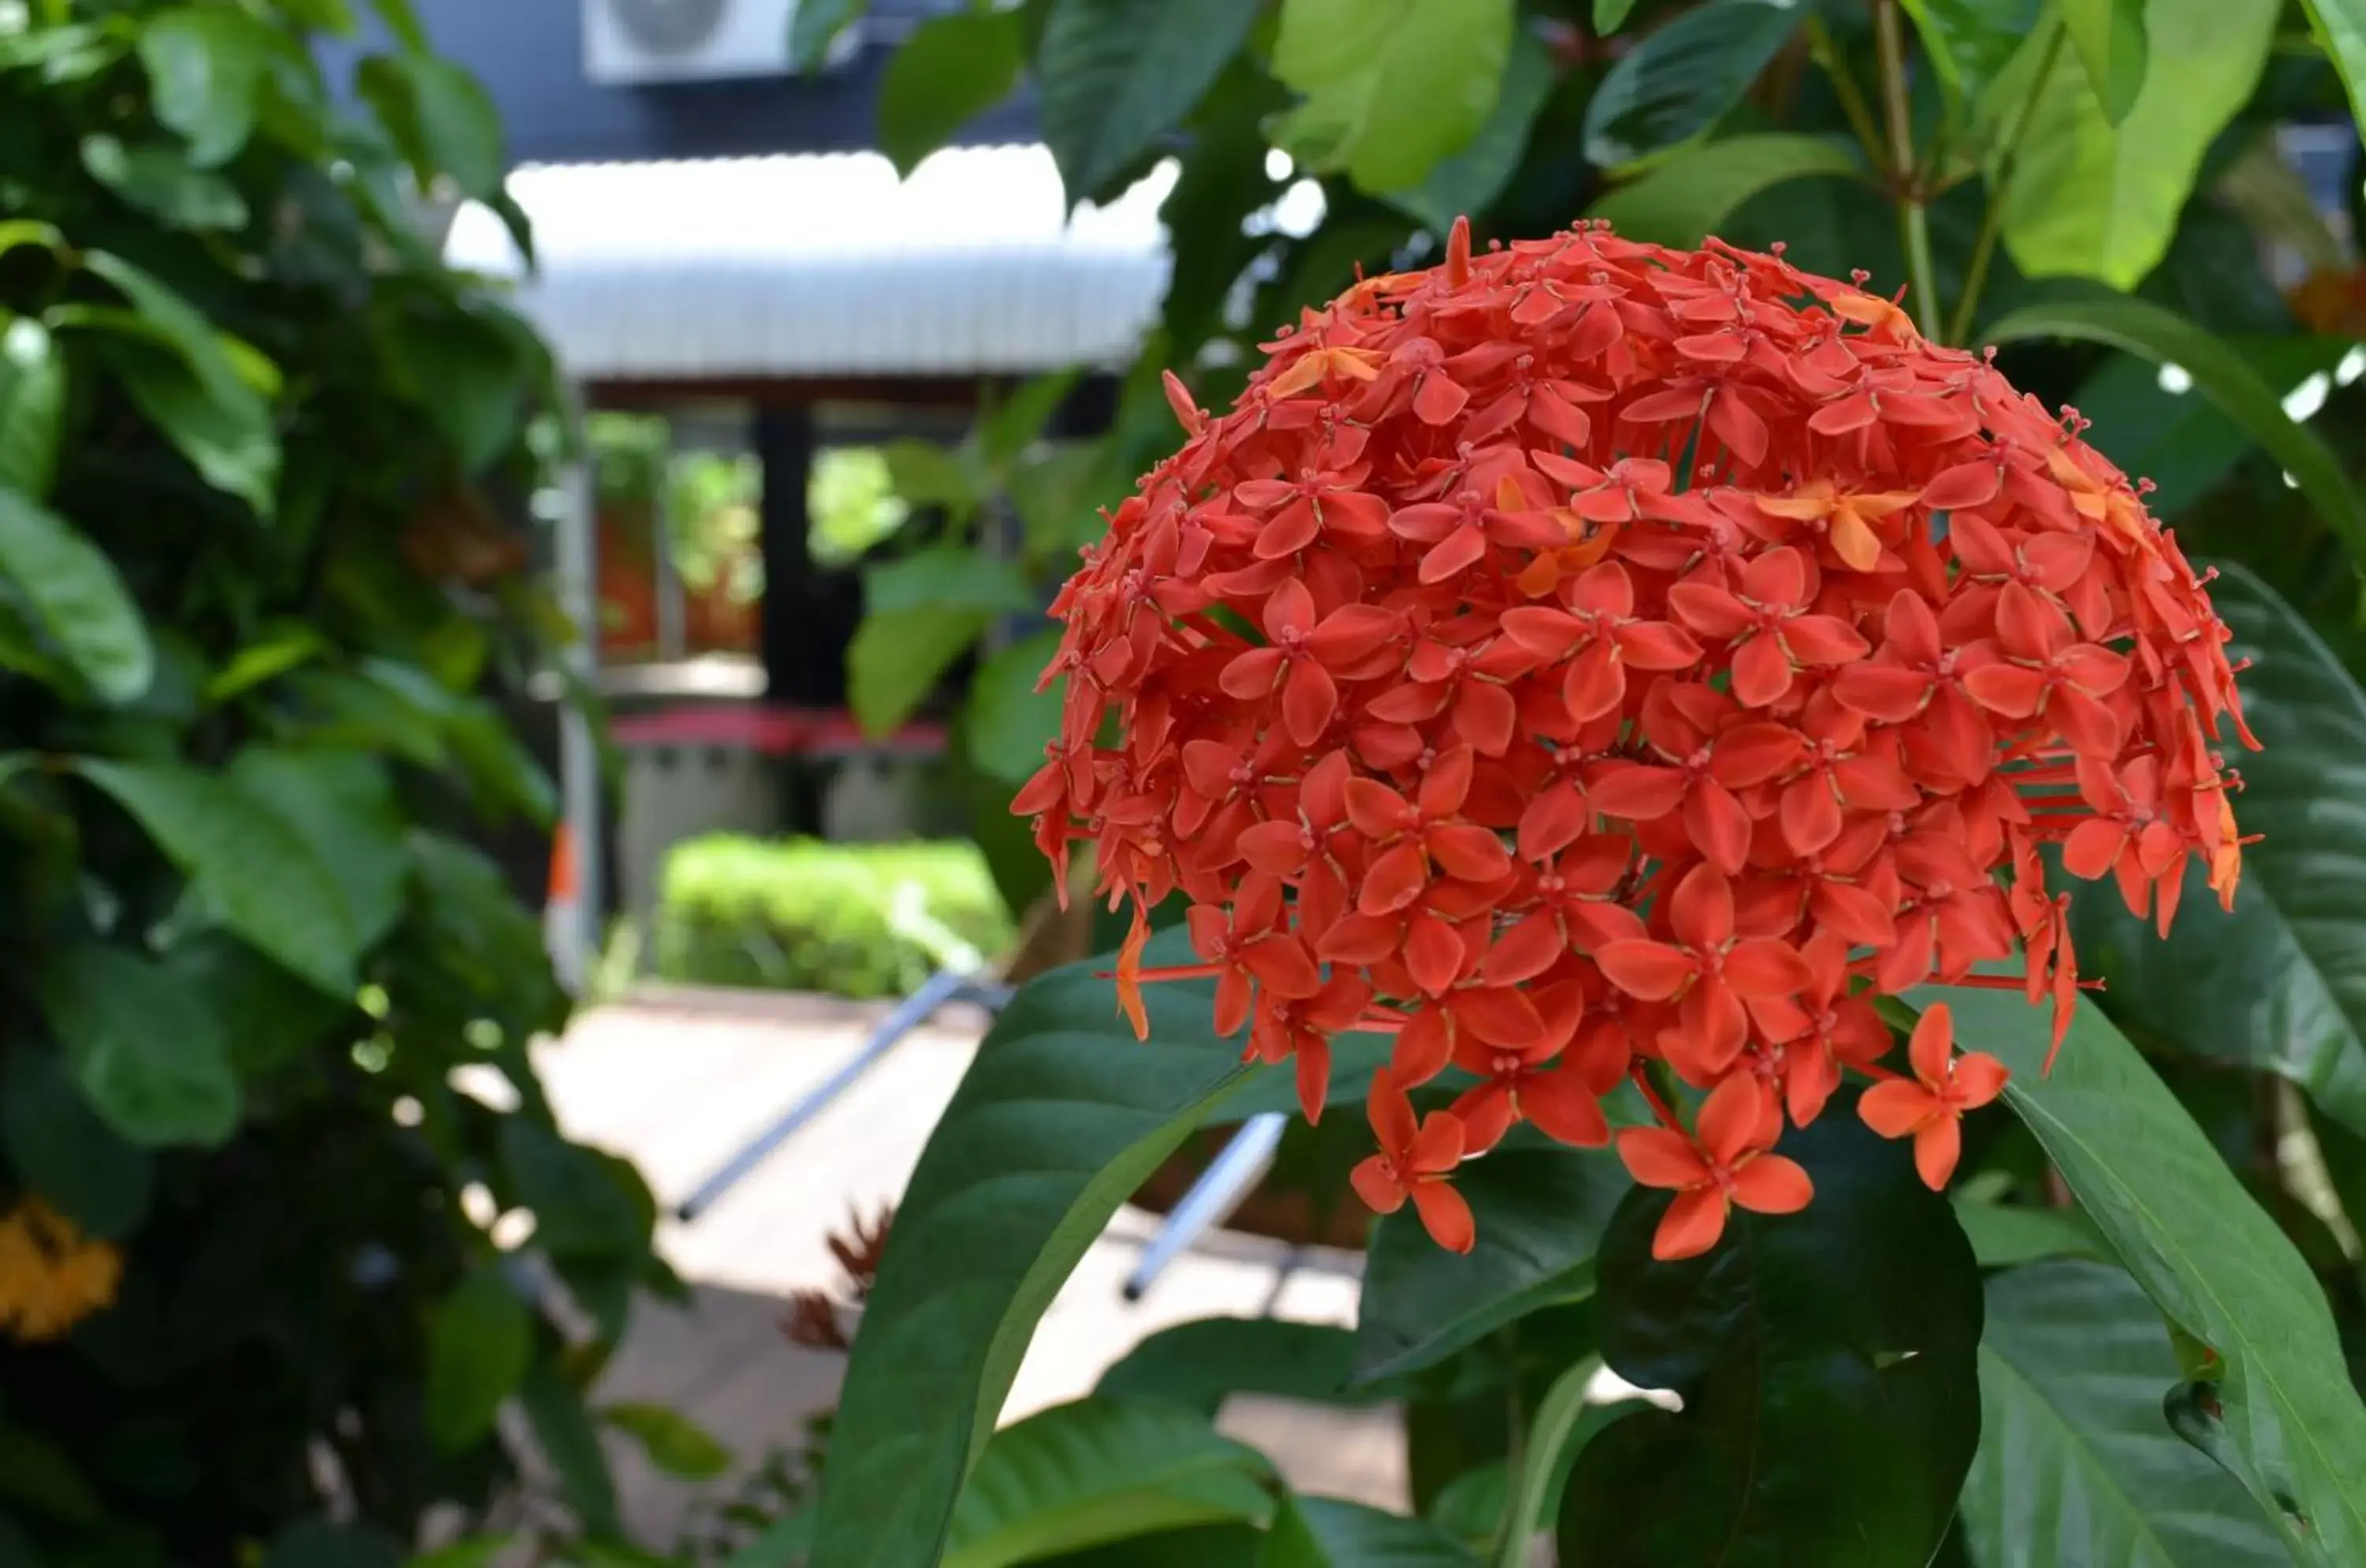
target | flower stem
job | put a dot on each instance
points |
(1914, 220)
(1827, 55)
(1993, 221)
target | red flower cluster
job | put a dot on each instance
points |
(1589, 655)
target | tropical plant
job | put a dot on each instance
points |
(270, 1133)
(2077, 1283)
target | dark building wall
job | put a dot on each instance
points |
(529, 54)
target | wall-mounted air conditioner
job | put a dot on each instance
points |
(632, 41)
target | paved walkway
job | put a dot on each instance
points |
(677, 1082)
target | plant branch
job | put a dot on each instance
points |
(1913, 219)
(1852, 97)
(1975, 275)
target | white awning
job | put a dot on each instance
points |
(827, 266)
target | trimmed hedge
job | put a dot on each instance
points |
(800, 915)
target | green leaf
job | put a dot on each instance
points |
(342, 805)
(1682, 198)
(71, 590)
(2281, 982)
(471, 374)
(814, 26)
(952, 69)
(1680, 79)
(254, 868)
(270, 1017)
(2091, 199)
(207, 64)
(469, 1552)
(1114, 75)
(147, 1056)
(324, 16)
(1009, 722)
(1828, 1364)
(275, 651)
(1540, 1214)
(896, 660)
(1388, 88)
(439, 115)
(1060, 1117)
(943, 578)
(65, 1150)
(1097, 1470)
(2076, 1463)
(1469, 181)
(2340, 29)
(674, 1443)
(1563, 1423)
(1969, 41)
(563, 1428)
(2002, 1236)
(231, 445)
(926, 473)
(158, 179)
(581, 1208)
(480, 1343)
(402, 22)
(1198, 1364)
(32, 402)
(38, 1474)
(2283, 1416)
(1609, 16)
(2219, 373)
(1320, 1533)
(2108, 35)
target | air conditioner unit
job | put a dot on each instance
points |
(628, 42)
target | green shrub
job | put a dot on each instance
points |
(851, 920)
(258, 612)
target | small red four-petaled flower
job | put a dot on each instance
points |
(1588, 660)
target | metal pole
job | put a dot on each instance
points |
(576, 559)
(1239, 1166)
(943, 987)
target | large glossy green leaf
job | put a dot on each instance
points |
(946, 578)
(480, 1343)
(1541, 1215)
(159, 178)
(1387, 87)
(2004, 1236)
(2280, 1414)
(2340, 28)
(2221, 374)
(341, 805)
(62, 1148)
(256, 871)
(32, 401)
(1969, 41)
(231, 445)
(72, 591)
(1114, 75)
(1060, 1117)
(471, 373)
(1007, 722)
(1682, 198)
(1469, 181)
(1320, 1533)
(439, 115)
(898, 656)
(2280, 982)
(147, 1056)
(1101, 1470)
(1682, 78)
(205, 65)
(1828, 1364)
(2076, 1463)
(2108, 35)
(2089, 199)
(1199, 1363)
(950, 70)
(814, 26)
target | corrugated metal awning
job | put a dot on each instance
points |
(827, 266)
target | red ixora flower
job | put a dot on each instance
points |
(1588, 655)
